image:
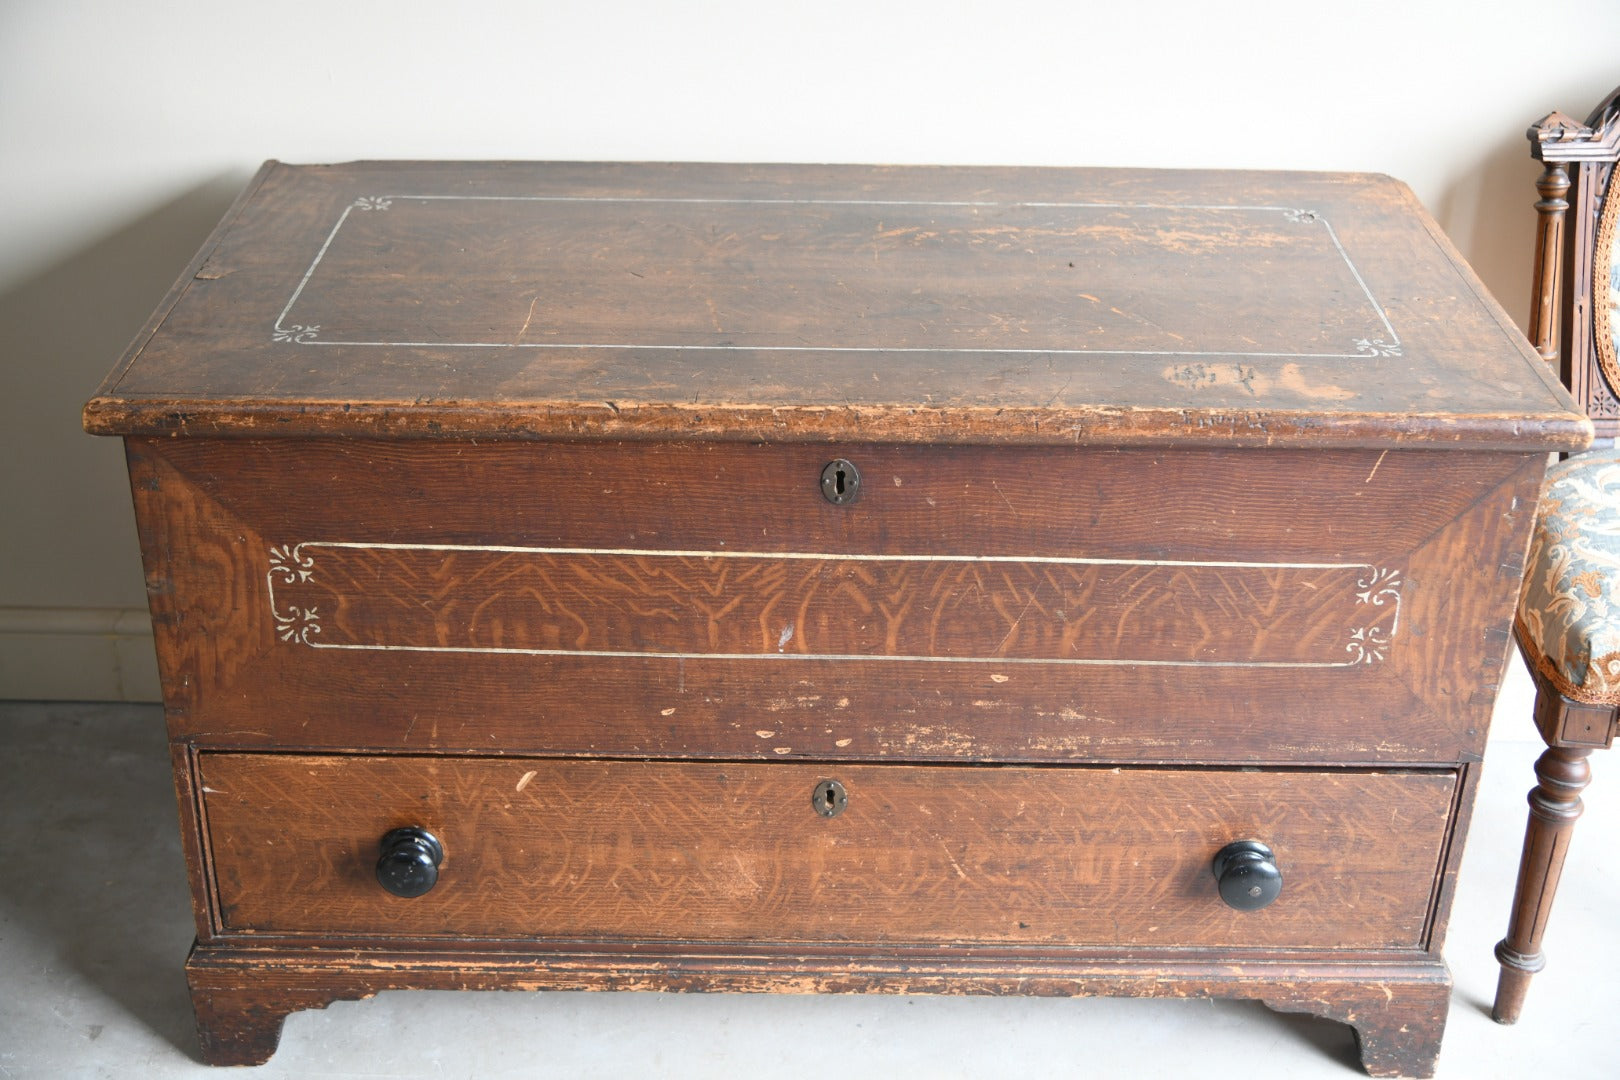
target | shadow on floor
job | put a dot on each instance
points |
(95, 880)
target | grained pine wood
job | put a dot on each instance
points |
(836, 302)
(240, 1025)
(1190, 502)
(1398, 1011)
(233, 503)
(731, 852)
(485, 497)
(542, 601)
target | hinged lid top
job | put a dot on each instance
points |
(834, 302)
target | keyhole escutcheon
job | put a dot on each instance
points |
(840, 481)
(829, 798)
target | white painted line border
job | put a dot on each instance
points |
(303, 334)
(291, 563)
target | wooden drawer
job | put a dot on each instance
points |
(987, 603)
(656, 851)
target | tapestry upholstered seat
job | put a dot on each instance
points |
(1569, 611)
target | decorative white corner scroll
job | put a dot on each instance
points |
(1370, 644)
(291, 565)
(1377, 347)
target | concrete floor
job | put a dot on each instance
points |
(95, 922)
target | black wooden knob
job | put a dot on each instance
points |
(409, 864)
(1247, 873)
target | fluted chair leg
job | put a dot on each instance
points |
(1562, 773)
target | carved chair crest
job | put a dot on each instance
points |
(1576, 248)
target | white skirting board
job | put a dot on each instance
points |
(77, 654)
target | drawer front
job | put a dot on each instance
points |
(689, 600)
(1001, 856)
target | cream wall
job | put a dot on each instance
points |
(125, 128)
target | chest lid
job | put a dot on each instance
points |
(778, 302)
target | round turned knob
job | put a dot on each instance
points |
(1247, 874)
(409, 865)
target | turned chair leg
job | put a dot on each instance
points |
(1562, 773)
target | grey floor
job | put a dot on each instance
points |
(94, 925)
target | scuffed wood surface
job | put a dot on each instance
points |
(1397, 1007)
(215, 513)
(545, 601)
(791, 303)
(590, 850)
(500, 515)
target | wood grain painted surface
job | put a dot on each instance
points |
(597, 850)
(1398, 1010)
(697, 605)
(835, 302)
(1194, 509)
(688, 665)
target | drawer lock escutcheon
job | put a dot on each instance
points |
(1247, 874)
(829, 798)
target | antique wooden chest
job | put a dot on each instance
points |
(829, 579)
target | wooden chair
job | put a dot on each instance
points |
(1568, 624)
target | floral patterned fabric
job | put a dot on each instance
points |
(1569, 611)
